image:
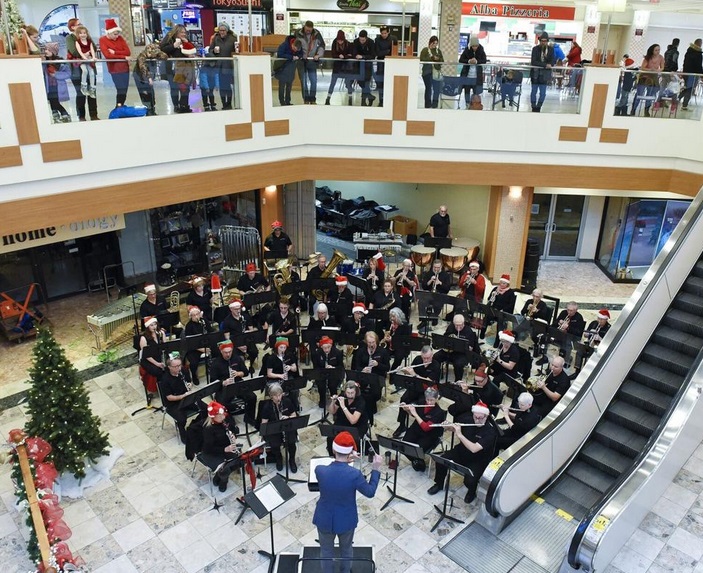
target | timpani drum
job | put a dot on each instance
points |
(453, 259)
(422, 256)
(472, 246)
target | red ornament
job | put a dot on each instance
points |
(38, 449)
(17, 436)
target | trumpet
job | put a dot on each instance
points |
(435, 278)
(491, 355)
(534, 382)
(564, 324)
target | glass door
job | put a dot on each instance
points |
(555, 223)
(61, 269)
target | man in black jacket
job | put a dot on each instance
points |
(692, 64)
(671, 56)
(384, 47)
(473, 56)
(541, 64)
(364, 51)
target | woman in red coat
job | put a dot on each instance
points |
(114, 47)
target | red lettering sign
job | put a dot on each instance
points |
(532, 12)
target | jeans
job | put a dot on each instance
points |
(432, 89)
(284, 89)
(643, 90)
(346, 551)
(121, 81)
(226, 80)
(542, 88)
(333, 82)
(507, 90)
(307, 71)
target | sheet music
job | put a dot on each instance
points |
(269, 497)
(315, 462)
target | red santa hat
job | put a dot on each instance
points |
(188, 49)
(149, 320)
(359, 307)
(344, 443)
(198, 281)
(276, 225)
(341, 281)
(475, 264)
(192, 307)
(480, 373)
(215, 284)
(505, 278)
(507, 336)
(250, 267)
(111, 26)
(603, 314)
(225, 344)
(215, 408)
(480, 408)
(149, 288)
(236, 303)
(379, 261)
(325, 340)
(281, 341)
(629, 62)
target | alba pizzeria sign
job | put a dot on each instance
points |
(534, 12)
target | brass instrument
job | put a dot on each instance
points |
(564, 324)
(594, 337)
(351, 348)
(492, 298)
(491, 355)
(282, 277)
(434, 282)
(330, 269)
(389, 304)
(534, 382)
(531, 310)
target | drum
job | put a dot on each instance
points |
(453, 259)
(422, 256)
(471, 245)
(357, 272)
(345, 267)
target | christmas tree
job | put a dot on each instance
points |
(59, 409)
(14, 19)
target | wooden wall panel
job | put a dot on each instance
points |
(276, 127)
(378, 126)
(612, 135)
(425, 128)
(10, 156)
(256, 93)
(400, 98)
(237, 131)
(25, 116)
(600, 97)
(567, 133)
(61, 150)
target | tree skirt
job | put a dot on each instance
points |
(67, 485)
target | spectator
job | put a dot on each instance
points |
(31, 36)
(671, 56)
(114, 47)
(384, 47)
(55, 76)
(143, 74)
(648, 82)
(72, 53)
(223, 45)
(208, 81)
(86, 49)
(626, 84)
(473, 56)
(289, 52)
(541, 64)
(342, 52)
(432, 73)
(313, 46)
(364, 51)
(184, 76)
(171, 46)
(692, 64)
(573, 60)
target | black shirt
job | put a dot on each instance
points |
(278, 245)
(576, 323)
(381, 300)
(216, 439)
(173, 386)
(219, 370)
(375, 284)
(542, 403)
(316, 324)
(322, 360)
(504, 302)
(444, 277)
(245, 284)
(272, 414)
(440, 225)
(201, 301)
(235, 326)
(542, 311)
(358, 405)
(280, 324)
(433, 370)
(148, 308)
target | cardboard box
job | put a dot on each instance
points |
(404, 225)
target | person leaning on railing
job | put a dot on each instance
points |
(342, 68)
(114, 47)
(541, 61)
(432, 72)
(473, 57)
(365, 51)
(223, 45)
(171, 46)
(648, 82)
(73, 53)
(143, 74)
(692, 64)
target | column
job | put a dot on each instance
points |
(637, 35)
(449, 26)
(425, 25)
(280, 17)
(123, 9)
(589, 35)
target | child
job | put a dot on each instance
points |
(55, 76)
(143, 74)
(183, 76)
(86, 49)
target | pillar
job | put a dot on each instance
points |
(591, 29)
(123, 9)
(271, 208)
(449, 27)
(424, 31)
(280, 17)
(637, 36)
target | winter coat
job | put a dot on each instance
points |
(693, 60)
(480, 54)
(55, 77)
(145, 68)
(671, 59)
(539, 73)
(345, 65)
(285, 72)
(313, 45)
(227, 47)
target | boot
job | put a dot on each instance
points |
(203, 95)
(327, 100)
(278, 458)
(370, 98)
(291, 458)
(380, 101)
(363, 100)
(213, 107)
(349, 102)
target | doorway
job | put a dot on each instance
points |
(555, 223)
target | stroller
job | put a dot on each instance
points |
(451, 90)
(508, 85)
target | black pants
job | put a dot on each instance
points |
(56, 106)
(194, 360)
(81, 99)
(284, 89)
(276, 441)
(463, 458)
(212, 461)
(331, 385)
(408, 397)
(426, 440)
(458, 361)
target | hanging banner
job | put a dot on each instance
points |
(532, 12)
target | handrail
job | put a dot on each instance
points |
(548, 427)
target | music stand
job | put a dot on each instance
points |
(438, 242)
(247, 338)
(379, 314)
(312, 337)
(292, 288)
(369, 381)
(255, 298)
(411, 382)
(191, 398)
(263, 501)
(413, 343)
(205, 340)
(281, 427)
(326, 375)
(362, 285)
(399, 447)
(451, 466)
(331, 431)
(231, 391)
(293, 340)
(320, 284)
(454, 393)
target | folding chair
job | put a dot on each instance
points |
(451, 90)
(210, 472)
(191, 413)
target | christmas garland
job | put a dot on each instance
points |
(44, 514)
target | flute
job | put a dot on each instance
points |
(413, 366)
(509, 409)
(413, 405)
(448, 424)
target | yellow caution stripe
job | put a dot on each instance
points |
(563, 514)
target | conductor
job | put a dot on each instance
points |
(336, 513)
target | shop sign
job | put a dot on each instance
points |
(533, 12)
(58, 234)
(352, 5)
(235, 4)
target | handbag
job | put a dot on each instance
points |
(437, 75)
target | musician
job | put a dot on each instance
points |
(153, 305)
(327, 356)
(220, 451)
(535, 307)
(336, 514)
(570, 322)
(398, 328)
(371, 358)
(237, 323)
(597, 328)
(316, 273)
(422, 432)
(502, 298)
(373, 273)
(426, 368)
(504, 369)
(282, 365)
(459, 360)
(552, 389)
(474, 451)
(175, 385)
(282, 321)
(436, 280)
(342, 298)
(252, 281)
(359, 324)
(440, 224)
(472, 283)
(405, 284)
(230, 368)
(279, 408)
(201, 297)
(349, 410)
(196, 326)
(278, 243)
(385, 298)
(482, 390)
(322, 319)
(293, 298)
(150, 357)
(520, 422)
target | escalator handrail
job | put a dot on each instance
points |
(548, 427)
(623, 488)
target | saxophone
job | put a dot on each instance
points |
(337, 257)
(389, 304)
(282, 277)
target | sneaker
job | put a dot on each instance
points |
(84, 89)
(436, 488)
(66, 118)
(92, 93)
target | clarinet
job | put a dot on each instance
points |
(232, 438)
(187, 384)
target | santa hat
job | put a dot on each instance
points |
(276, 225)
(603, 314)
(111, 26)
(359, 307)
(236, 303)
(480, 372)
(629, 62)
(149, 320)
(225, 344)
(507, 336)
(344, 443)
(191, 308)
(281, 340)
(188, 49)
(250, 267)
(475, 264)
(215, 408)
(480, 408)
(198, 281)
(215, 284)
(379, 261)
(505, 278)
(149, 288)
(325, 340)
(341, 281)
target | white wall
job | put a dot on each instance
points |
(136, 244)
(35, 11)
(590, 228)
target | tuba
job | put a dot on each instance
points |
(337, 257)
(281, 277)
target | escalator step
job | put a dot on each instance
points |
(688, 302)
(644, 397)
(657, 355)
(697, 270)
(632, 417)
(685, 316)
(604, 458)
(694, 285)
(593, 477)
(565, 503)
(619, 438)
(676, 339)
(657, 378)
(572, 495)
